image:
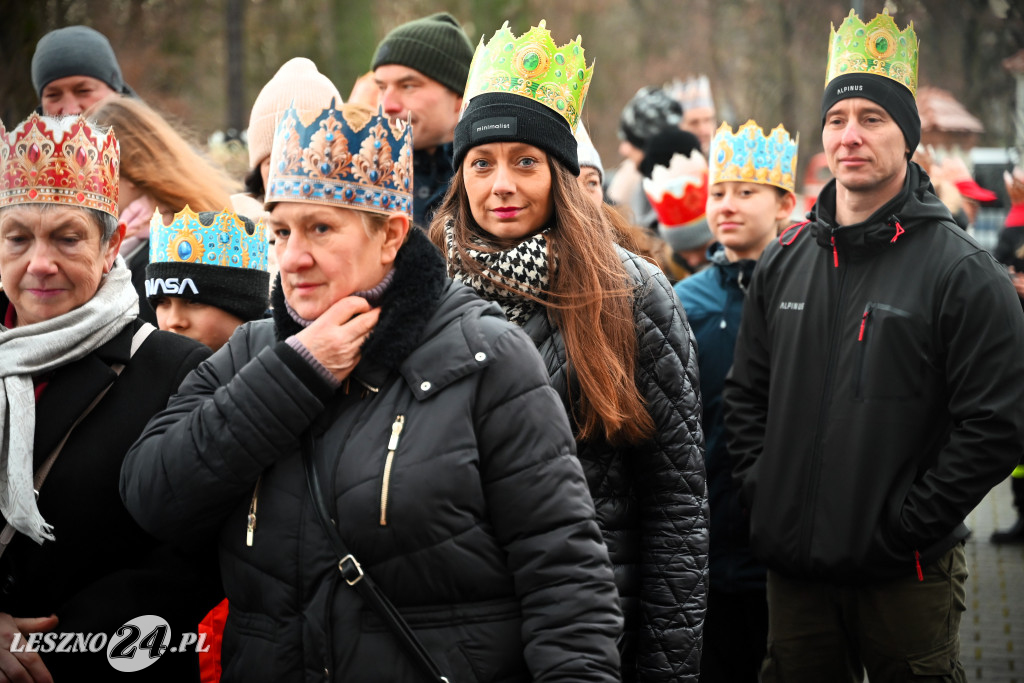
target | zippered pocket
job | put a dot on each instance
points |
(885, 335)
(396, 433)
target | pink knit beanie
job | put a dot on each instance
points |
(296, 81)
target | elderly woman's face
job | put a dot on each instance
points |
(325, 254)
(51, 261)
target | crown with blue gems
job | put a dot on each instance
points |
(342, 159)
(534, 67)
(227, 241)
(878, 48)
(750, 156)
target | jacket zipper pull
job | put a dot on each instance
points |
(917, 563)
(396, 433)
(899, 228)
(250, 523)
(863, 322)
(835, 252)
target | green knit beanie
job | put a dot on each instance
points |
(436, 46)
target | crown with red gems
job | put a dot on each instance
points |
(679, 192)
(342, 162)
(47, 160)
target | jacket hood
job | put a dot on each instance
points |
(913, 207)
(738, 272)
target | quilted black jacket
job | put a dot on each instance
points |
(651, 498)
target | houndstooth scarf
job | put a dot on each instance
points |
(32, 349)
(521, 269)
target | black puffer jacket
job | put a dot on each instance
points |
(651, 498)
(875, 396)
(482, 531)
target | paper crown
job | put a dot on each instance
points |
(877, 47)
(750, 156)
(678, 193)
(339, 161)
(532, 66)
(227, 241)
(59, 161)
(693, 93)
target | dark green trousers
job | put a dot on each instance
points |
(900, 630)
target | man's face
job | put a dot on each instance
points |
(865, 149)
(701, 122)
(73, 95)
(433, 108)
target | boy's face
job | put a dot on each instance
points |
(204, 323)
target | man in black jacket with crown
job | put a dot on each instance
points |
(875, 394)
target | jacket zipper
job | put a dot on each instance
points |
(250, 523)
(396, 433)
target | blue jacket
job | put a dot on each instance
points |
(713, 301)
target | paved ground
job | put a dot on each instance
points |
(992, 632)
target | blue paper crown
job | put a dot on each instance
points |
(225, 242)
(750, 156)
(339, 162)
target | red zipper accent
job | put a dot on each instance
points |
(835, 253)
(899, 230)
(863, 322)
(797, 226)
(917, 561)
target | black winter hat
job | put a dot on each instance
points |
(894, 97)
(650, 111)
(504, 117)
(662, 146)
(76, 51)
(436, 46)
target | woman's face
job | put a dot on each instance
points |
(52, 261)
(590, 182)
(325, 254)
(743, 216)
(509, 188)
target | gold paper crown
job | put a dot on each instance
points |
(59, 161)
(532, 66)
(878, 48)
(750, 156)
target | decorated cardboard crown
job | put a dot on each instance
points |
(877, 47)
(534, 67)
(750, 156)
(337, 161)
(227, 241)
(59, 161)
(693, 93)
(679, 192)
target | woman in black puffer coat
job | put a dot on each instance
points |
(618, 349)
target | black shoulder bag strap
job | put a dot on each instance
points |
(364, 585)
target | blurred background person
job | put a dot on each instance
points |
(694, 94)
(517, 227)
(160, 171)
(750, 197)
(74, 68)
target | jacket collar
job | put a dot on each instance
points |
(731, 272)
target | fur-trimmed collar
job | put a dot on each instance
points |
(406, 306)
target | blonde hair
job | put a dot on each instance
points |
(162, 163)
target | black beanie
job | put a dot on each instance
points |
(76, 51)
(242, 292)
(660, 149)
(651, 111)
(436, 46)
(894, 97)
(504, 117)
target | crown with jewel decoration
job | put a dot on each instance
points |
(228, 240)
(59, 161)
(877, 47)
(532, 66)
(750, 156)
(340, 160)
(679, 192)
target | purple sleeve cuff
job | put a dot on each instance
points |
(321, 370)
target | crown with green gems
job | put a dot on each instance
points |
(532, 66)
(877, 47)
(226, 241)
(750, 156)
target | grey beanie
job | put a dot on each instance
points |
(76, 51)
(436, 46)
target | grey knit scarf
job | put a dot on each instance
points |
(29, 350)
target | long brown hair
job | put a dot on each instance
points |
(160, 161)
(590, 301)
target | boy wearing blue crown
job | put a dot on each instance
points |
(875, 395)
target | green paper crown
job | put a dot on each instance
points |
(875, 48)
(532, 66)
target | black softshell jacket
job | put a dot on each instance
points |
(876, 393)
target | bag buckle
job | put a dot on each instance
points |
(350, 570)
